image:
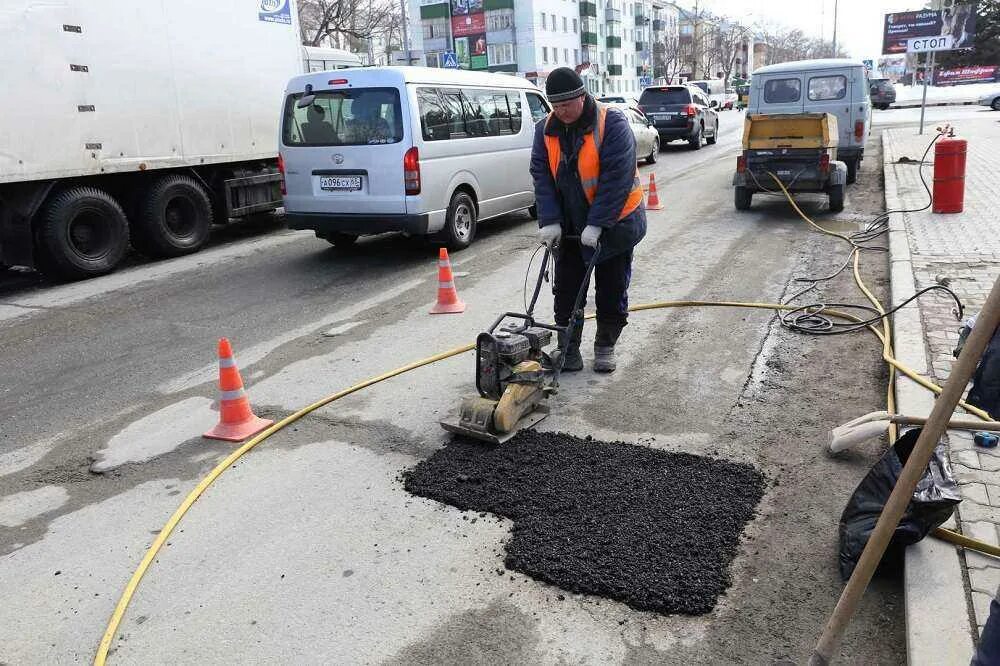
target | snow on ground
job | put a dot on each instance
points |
(964, 93)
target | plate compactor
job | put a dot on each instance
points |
(514, 373)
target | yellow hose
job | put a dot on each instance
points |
(884, 336)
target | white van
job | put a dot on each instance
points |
(319, 59)
(714, 89)
(838, 86)
(420, 150)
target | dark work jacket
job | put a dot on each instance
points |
(561, 200)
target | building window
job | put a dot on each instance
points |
(432, 60)
(545, 54)
(554, 26)
(555, 56)
(435, 28)
(574, 26)
(602, 57)
(499, 19)
(566, 56)
(565, 24)
(500, 54)
(545, 21)
(576, 56)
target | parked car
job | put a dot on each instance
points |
(618, 99)
(425, 151)
(681, 113)
(834, 85)
(991, 99)
(883, 93)
(647, 139)
(731, 99)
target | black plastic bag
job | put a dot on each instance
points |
(933, 502)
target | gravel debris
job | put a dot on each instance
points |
(652, 529)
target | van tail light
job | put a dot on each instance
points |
(859, 130)
(411, 171)
(691, 110)
(741, 164)
(824, 163)
(281, 170)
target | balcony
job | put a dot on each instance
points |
(615, 70)
(614, 42)
(659, 25)
(588, 38)
(613, 15)
(588, 8)
(498, 4)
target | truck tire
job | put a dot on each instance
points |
(852, 171)
(460, 224)
(836, 194)
(82, 233)
(742, 197)
(174, 219)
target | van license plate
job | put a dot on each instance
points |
(340, 183)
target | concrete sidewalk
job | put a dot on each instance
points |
(948, 590)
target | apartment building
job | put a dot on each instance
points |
(610, 42)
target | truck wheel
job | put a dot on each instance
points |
(715, 136)
(460, 224)
(83, 232)
(695, 141)
(836, 194)
(174, 218)
(852, 171)
(742, 198)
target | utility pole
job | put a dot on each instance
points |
(406, 34)
(835, 3)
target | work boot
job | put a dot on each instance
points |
(604, 346)
(574, 359)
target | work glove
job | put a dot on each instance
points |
(549, 234)
(590, 236)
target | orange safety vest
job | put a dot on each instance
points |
(588, 163)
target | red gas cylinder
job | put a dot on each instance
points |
(949, 175)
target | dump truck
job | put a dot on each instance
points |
(137, 123)
(798, 149)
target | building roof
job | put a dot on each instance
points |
(800, 65)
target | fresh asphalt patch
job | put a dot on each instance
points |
(652, 529)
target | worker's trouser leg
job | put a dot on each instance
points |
(612, 277)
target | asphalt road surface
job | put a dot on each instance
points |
(309, 549)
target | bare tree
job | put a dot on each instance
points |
(667, 58)
(349, 23)
(784, 45)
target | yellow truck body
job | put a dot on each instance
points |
(798, 130)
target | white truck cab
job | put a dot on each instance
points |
(834, 85)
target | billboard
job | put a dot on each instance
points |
(477, 47)
(957, 22)
(462, 52)
(275, 11)
(468, 24)
(901, 26)
(460, 7)
(973, 74)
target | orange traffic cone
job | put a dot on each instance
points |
(236, 420)
(653, 200)
(448, 300)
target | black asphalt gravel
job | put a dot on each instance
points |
(652, 529)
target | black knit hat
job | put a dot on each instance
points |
(562, 84)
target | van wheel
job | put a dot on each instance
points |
(460, 225)
(175, 218)
(852, 171)
(651, 158)
(83, 233)
(533, 211)
(836, 195)
(715, 136)
(742, 198)
(340, 241)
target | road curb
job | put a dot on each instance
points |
(917, 105)
(936, 607)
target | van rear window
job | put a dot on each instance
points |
(782, 91)
(349, 117)
(823, 88)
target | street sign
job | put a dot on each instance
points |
(928, 44)
(449, 60)
(869, 64)
(645, 81)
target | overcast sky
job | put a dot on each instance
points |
(859, 21)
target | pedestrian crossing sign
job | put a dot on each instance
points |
(449, 61)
